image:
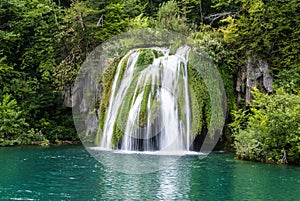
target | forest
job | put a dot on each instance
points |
(254, 44)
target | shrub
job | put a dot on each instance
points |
(270, 130)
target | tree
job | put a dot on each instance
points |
(269, 29)
(30, 54)
(168, 17)
(12, 121)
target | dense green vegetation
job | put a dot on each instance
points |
(269, 130)
(43, 43)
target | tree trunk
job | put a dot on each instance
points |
(201, 12)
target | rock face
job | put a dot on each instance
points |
(256, 73)
(67, 95)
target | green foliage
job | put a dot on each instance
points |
(14, 130)
(83, 26)
(42, 46)
(152, 7)
(29, 55)
(117, 135)
(214, 45)
(168, 17)
(289, 80)
(139, 22)
(115, 21)
(12, 121)
(269, 29)
(134, 8)
(269, 130)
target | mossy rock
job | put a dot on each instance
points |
(158, 53)
(122, 69)
(120, 124)
(199, 101)
(146, 58)
(144, 110)
(106, 82)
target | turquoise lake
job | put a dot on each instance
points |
(70, 173)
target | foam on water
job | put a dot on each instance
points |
(161, 153)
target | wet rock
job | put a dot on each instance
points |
(256, 73)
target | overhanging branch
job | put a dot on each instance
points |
(212, 18)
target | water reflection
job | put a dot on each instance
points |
(167, 184)
(173, 184)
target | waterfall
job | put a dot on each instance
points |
(149, 103)
(115, 101)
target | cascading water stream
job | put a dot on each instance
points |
(157, 113)
(116, 101)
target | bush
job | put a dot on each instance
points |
(270, 130)
(12, 122)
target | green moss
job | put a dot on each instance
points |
(129, 98)
(158, 53)
(120, 124)
(155, 104)
(117, 135)
(181, 95)
(143, 110)
(150, 90)
(122, 70)
(199, 100)
(106, 81)
(146, 58)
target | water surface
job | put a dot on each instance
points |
(70, 173)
